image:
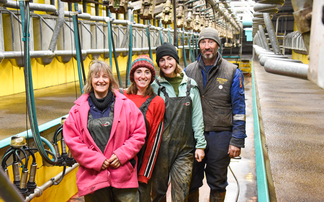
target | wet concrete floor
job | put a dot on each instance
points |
(292, 113)
(51, 103)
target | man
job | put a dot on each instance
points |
(222, 97)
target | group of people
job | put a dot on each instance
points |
(132, 143)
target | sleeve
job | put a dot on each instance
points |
(137, 133)
(197, 119)
(155, 118)
(238, 107)
(85, 155)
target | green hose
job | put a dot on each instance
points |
(160, 32)
(184, 50)
(149, 39)
(109, 40)
(24, 9)
(77, 50)
(130, 48)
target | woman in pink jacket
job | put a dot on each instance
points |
(105, 131)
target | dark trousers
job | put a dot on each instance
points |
(145, 191)
(111, 194)
(215, 162)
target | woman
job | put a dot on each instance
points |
(105, 131)
(183, 127)
(141, 75)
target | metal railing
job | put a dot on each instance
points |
(89, 27)
(294, 41)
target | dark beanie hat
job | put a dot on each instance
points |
(166, 49)
(142, 61)
(209, 33)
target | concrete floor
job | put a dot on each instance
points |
(51, 103)
(292, 113)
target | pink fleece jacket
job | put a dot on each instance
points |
(126, 139)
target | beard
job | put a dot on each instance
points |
(209, 56)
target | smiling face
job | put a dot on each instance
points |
(168, 66)
(100, 83)
(208, 48)
(142, 78)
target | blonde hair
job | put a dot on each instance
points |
(177, 70)
(97, 66)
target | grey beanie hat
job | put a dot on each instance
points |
(209, 33)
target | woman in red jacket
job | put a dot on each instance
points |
(142, 74)
(105, 131)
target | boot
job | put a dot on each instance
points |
(216, 196)
(193, 196)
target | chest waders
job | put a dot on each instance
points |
(100, 128)
(176, 154)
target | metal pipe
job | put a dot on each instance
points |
(230, 20)
(286, 68)
(33, 6)
(9, 192)
(269, 8)
(58, 26)
(278, 21)
(175, 38)
(57, 53)
(263, 38)
(272, 36)
(39, 190)
(265, 58)
(85, 16)
(258, 49)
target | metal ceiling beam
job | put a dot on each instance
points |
(221, 12)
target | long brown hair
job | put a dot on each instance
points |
(132, 89)
(177, 70)
(95, 67)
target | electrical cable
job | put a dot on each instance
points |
(5, 157)
(57, 131)
(60, 180)
(20, 160)
(238, 185)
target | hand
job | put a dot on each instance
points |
(234, 151)
(114, 162)
(199, 155)
(105, 165)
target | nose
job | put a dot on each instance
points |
(207, 45)
(166, 63)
